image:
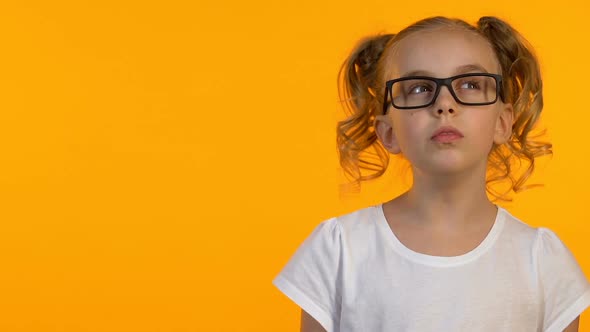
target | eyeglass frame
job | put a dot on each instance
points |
(439, 83)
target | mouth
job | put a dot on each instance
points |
(446, 135)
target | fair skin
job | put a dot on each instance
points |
(438, 214)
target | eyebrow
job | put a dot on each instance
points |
(459, 70)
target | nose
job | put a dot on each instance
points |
(445, 102)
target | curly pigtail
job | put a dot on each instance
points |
(358, 146)
(523, 89)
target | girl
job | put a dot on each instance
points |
(458, 102)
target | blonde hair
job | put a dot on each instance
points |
(361, 88)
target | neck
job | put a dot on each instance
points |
(449, 201)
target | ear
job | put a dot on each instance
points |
(504, 125)
(384, 130)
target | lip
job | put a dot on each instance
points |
(446, 134)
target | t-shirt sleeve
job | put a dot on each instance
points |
(312, 276)
(565, 289)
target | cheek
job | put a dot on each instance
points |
(410, 128)
(483, 125)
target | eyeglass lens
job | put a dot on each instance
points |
(417, 92)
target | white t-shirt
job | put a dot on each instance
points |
(353, 274)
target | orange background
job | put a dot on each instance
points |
(161, 161)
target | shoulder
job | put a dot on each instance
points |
(329, 234)
(359, 222)
(517, 231)
(548, 252)
(360, 216)
(547, 239)
(551, 250)
(539, 240)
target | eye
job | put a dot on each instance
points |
(421, 88)
(470, 85)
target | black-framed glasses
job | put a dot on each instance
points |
(413, 92)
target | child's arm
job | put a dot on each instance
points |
(573, 327)
(309, 324)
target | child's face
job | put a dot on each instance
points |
(444, 53)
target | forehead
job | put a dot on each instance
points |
(441, 52)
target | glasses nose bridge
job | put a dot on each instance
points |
(447, 82)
